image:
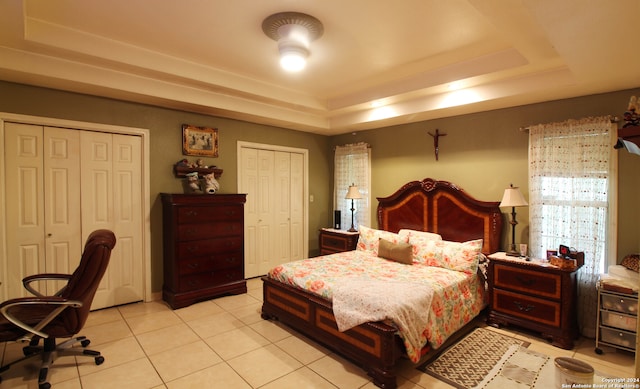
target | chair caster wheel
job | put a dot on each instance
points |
(44, 385)
(598, 351)
(99, 360)
(85, 343)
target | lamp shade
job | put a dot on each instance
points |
(513, 198)
(353, 193)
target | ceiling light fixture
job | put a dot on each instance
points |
(293, 31)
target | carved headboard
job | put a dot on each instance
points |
(442, 208)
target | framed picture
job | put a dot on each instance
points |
(200, 141)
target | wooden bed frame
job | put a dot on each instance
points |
(427, 205)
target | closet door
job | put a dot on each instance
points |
(42, 175)
(111, 199)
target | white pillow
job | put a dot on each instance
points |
(370, 238)
(418, 234)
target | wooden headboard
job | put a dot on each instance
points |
(442, 208)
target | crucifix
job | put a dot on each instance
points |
(435, 141)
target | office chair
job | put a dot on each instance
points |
(62, 315)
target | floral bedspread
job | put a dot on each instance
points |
(457, 297)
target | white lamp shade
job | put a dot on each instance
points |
(353, 193)
(513, 198)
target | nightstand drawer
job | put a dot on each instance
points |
(531, 281)
(620, 304)
(336, 241)
(530, 308)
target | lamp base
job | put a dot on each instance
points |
(513, 253)
(352, 230)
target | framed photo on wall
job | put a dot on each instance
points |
(200, 141)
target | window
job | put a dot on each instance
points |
(352, 166)
(572, 199)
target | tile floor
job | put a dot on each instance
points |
(223, 343)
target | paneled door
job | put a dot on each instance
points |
(42, 204)
(275, 228)
(111, 195)
(60, 185)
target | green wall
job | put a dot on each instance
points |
(482, 153)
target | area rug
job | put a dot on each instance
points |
(471, 361)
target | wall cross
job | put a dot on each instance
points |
(435, 141)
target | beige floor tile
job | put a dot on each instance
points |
(248, 314)
(254, 283)
(157, 341)
(302, 349)
(115, 353)
(198, 310)
(256, 294)
(103, 316)
(236, 301)
(184, 360)
(208, 326)
(152, 321)
(264, 365)
(217, 376)
(141, 308)
(301, 378)
(272, 330)
(236, 342)
(135, 375)
(70, 384)
(339, 372)
(106, 332)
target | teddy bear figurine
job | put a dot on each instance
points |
(211, 185)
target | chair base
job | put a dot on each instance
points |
(50, 351)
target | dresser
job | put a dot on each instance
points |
(617, 319)
(534, 295)
(336, 241)
(203, 247)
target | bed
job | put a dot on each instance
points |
(438, 207)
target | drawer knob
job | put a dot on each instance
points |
(192, 213)
(193, 265)
(522, 308)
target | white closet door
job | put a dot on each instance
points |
(297, 207)
(282, 209)
(42, 196)
(248, 162)
(111, 199)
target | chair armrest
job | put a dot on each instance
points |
(26, 282)
(61, 304)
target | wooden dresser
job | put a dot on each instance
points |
(203, 247)
(534, 295)
(335, 241)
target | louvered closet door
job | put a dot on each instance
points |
(42, 204)
(111, 199)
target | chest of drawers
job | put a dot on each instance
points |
(539, 297)
(203, 247)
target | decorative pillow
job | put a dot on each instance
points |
(457, 256)
(631, 262)
(418, 234)
(369, 239)
(399, 252)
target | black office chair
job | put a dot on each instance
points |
(62, 315)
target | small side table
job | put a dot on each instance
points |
(534, 295)
(336, 241)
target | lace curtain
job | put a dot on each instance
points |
(572, 197)
(352, 165)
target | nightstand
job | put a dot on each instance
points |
(534, 295)
(335, 241)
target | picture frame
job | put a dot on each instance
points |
(199, 141)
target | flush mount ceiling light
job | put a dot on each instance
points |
(293, 31)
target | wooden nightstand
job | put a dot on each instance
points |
(534, 295)
(335, 241)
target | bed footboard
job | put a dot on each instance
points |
(373, 346)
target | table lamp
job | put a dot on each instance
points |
(513, 198)
(353, 193)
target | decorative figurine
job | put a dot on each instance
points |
(211, 184)
(193, 182)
